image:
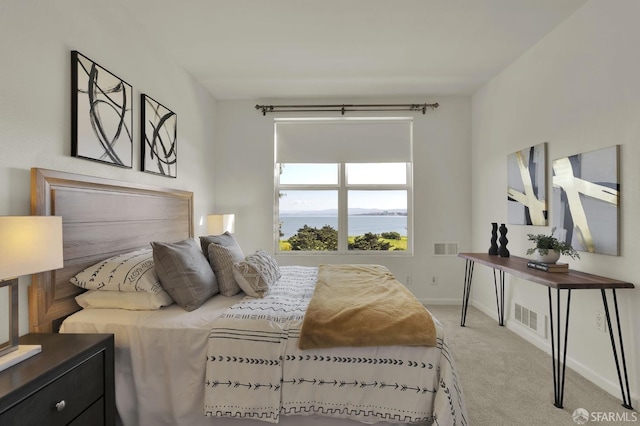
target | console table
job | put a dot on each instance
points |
(571, 280)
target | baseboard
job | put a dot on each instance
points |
(427, 302)
(611, 387)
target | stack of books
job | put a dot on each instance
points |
(548, 267)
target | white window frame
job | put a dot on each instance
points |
(343, 188)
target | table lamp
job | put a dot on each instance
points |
(220, 223)
(28, 245)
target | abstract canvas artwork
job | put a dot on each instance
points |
(586, 200)
(101, 114)
(159, 138)
(527, 182)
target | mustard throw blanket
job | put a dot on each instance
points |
(364, 305)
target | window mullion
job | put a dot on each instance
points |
(364, 187)
(309, 187)
(410, 238)
(343, 211)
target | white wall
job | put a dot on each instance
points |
(36, 37)
(442, 208)
(578, 89)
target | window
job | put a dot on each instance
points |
(343, 186)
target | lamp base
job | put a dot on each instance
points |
(23, 352)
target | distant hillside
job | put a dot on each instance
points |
(352, 212)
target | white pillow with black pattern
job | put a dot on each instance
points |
(256, 273)
(131, 271)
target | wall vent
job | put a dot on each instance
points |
(445, 249)
(531, 319)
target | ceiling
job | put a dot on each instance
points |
(253, 49)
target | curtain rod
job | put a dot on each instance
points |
(342, 108)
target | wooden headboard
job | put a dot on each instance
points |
(100, 218)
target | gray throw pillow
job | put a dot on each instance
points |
(256, 273)
(221, 260)
(224, 240)
(184, 273)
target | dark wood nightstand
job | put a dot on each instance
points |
(71, 382)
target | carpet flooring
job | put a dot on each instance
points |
(508, 381)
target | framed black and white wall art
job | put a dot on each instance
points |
(526, 186)
(159, 138)
(101, 114)
(586, 191)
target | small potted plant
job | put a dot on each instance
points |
(548, 248)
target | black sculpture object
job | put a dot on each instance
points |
(493, 250)
(502, 250)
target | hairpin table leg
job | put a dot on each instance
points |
(626, 395)
(559, 359)
(499, 296)
(466, 289)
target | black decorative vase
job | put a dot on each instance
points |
(502, 250)
(493, 250)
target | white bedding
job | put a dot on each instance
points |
(160, 359)
(256, 370)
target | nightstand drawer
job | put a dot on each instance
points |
(73, 392)
(93, 415)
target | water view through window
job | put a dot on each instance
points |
(309, 207)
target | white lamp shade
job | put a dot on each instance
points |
(220, 223)
(29, 244)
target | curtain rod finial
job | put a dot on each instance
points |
(264, 108)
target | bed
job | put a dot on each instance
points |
(172, 363)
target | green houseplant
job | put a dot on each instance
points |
(548, 248)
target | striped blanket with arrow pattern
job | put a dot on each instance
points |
(255, 369)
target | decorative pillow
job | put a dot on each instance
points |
(132, 271)
(132, 301)
(256, 273)
(221, 260)
(224, 240)
(184, 273)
